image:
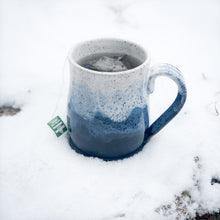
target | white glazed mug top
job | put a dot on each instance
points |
(114, 94)
(108, 45)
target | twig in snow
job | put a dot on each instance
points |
(216, 110)
(204, 76)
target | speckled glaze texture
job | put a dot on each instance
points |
(108, 111)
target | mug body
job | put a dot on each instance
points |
(107, 111)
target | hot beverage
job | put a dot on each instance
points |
(109, 62)
(110, 82)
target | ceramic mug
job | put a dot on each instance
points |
(108, 111)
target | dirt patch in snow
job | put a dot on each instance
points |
(8, 110)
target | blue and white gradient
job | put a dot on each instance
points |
(108, 112)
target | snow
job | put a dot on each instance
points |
(41, 177)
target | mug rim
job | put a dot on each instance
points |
(144, 63)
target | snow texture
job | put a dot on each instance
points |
(42, 178)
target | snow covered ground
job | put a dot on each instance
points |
(41, 178)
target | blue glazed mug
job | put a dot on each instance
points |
(108, 111)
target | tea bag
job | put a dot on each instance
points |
(108, 64)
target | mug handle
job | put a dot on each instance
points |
(173, 73)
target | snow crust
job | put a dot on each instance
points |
(41, 177)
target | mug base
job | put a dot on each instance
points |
(88, 154)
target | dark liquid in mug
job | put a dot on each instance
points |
(109, 62)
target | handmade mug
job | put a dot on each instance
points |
(108, 111)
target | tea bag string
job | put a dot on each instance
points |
(61, 89)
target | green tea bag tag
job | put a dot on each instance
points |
(58, 126)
